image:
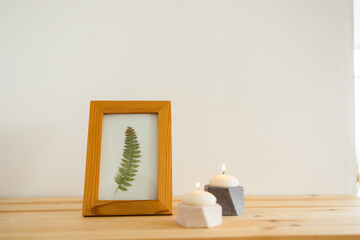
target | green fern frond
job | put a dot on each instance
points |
(130, 161)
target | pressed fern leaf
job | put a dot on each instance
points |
(130, 161)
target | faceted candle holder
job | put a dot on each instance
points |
(231, 199)
(199, 216)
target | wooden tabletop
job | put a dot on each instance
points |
(265, 217)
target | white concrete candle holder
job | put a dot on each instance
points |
(199, 216)
(199, 210)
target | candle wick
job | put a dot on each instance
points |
(223, 169)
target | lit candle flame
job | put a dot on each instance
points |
(223, 169)
(197, 186)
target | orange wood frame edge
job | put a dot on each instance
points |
(163, 206)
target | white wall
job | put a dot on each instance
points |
(357, 81)
(265, 87)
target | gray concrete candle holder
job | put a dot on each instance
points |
(231, 199)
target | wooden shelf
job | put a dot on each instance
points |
(265, 217)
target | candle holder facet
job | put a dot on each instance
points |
(231, 199)
(198, 216)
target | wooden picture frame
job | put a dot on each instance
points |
(92, 206)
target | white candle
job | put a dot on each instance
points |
(199, 198)
(224, 180)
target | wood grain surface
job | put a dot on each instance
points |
(265, 217)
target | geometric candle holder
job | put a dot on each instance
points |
(231, 199)
(198, 216)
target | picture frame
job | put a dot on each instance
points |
(99, 111)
